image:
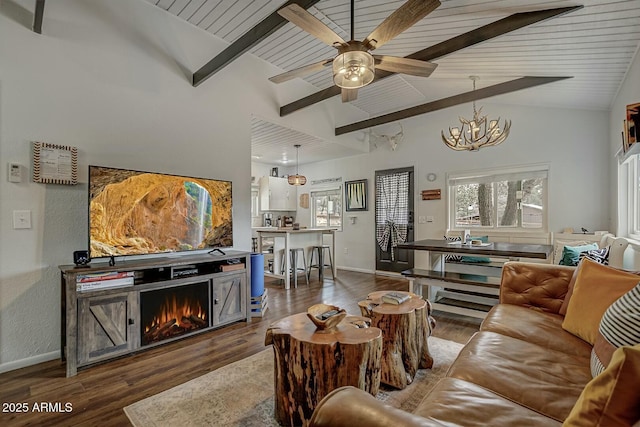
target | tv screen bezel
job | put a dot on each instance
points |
(159, 253)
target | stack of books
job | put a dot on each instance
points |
(395, 298)
(114, 279)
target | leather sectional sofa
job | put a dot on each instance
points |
(521, 369)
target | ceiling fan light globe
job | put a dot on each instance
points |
(353, 69)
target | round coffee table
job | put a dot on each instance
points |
(405, 329)
(310, 363)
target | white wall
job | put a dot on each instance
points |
(113, 79)
(573, 142)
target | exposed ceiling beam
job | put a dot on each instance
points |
(38, 15)
(249, 39)
(484, 33)
(463, 98)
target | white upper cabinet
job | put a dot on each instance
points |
(276, 194)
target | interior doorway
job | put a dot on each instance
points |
(394, 218)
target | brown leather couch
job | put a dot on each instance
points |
(520, 369)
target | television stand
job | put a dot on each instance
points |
(216, 250)
(108, 311)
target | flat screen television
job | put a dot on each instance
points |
(137, 213)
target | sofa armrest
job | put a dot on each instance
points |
(350, 406)
(538, 286)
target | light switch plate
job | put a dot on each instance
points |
(21, 219)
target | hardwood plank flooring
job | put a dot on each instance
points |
(98, 394)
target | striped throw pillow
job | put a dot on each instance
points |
(452, 257)
(620, 326)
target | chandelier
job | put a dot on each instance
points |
(477, 132)
(297, 179)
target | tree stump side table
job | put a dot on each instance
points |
(405, 329)
(310, 363)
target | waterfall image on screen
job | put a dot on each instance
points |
(133, 213)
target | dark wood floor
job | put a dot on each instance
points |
(99, 393)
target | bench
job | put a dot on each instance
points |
(454, 292)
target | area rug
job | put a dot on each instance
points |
(241, 393)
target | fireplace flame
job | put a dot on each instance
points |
(174, 311)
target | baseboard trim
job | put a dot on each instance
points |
(29, 361)
(357, 270)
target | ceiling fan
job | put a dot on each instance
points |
(354, 66)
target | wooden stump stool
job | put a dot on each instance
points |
(310, 363)
(405, 329)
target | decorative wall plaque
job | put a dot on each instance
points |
(55, 164)
(432, 194)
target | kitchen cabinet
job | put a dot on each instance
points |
(276, 194)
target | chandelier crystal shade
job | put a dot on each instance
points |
(477, 132)
(297, 179)
(353, 69)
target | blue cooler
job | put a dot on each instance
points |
(257, 275)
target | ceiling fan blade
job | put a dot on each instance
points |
(413, 67)
(349, 95)
(309, 23)
(299, 72)
(403, 18)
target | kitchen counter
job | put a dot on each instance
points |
(285, 239)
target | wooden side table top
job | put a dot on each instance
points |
(374, 303)
(300, 327)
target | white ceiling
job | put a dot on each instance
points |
(595, 45)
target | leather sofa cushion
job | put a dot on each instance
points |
(543, 380)
(543, 329)
(540, 286)
(455, 402)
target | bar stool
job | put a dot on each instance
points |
(294, 265)
(319, 250)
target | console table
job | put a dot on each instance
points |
(102, 306)
(466, 293)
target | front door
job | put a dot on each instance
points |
(394, 219)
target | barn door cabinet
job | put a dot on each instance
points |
(103, 323)
(105, 326)
(229, 298)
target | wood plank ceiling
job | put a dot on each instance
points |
(595, 45)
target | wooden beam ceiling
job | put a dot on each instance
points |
(38, 16)
(486, 32)
(498, 89)
(252, 37)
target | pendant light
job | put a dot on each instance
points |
(297, 179)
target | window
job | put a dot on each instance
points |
(326, 208)
(632, 168)
(499, 199)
